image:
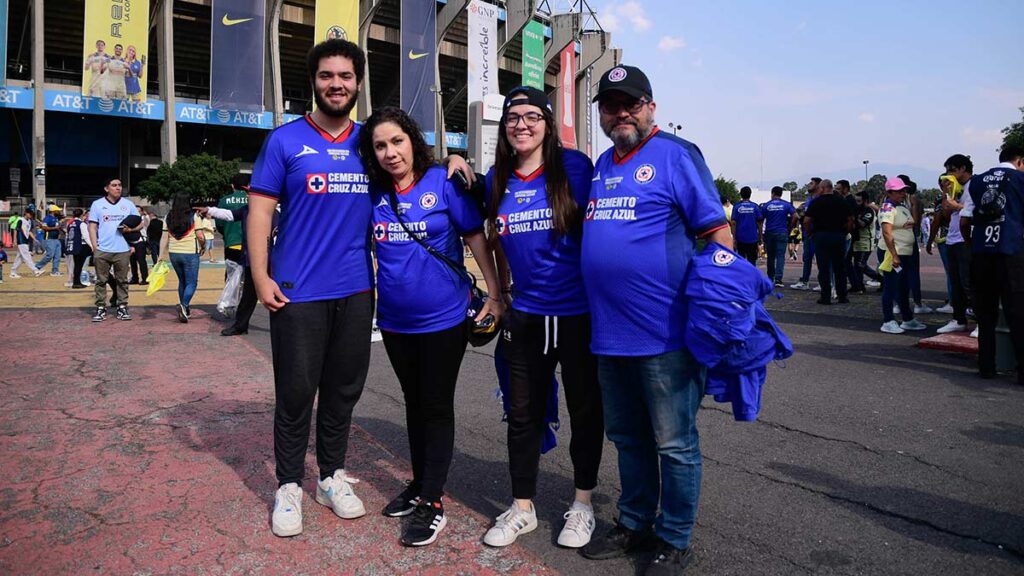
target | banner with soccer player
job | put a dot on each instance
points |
(116, 46)
(236, 54)
(483, 51)
(533, 55)
(336, 19)
(567, 96)
(418, 53)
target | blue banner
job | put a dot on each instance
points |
(60, 101)
(236, 55)
(3, 42)
(16, 97)
(419, 60)
(200, 114)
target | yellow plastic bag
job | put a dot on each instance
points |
(885, 266)
(157, 277)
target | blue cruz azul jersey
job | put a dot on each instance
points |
(545, 264)
(323, 240)
(746, 214)
(644, 213)
(777, 213)
(416, 291)
(998, 218)
(108, 218)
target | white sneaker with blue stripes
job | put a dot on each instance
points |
(336, 493)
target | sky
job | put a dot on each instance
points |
(825, 85)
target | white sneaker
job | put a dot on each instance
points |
(13, 275)
(922, 309)
(336, 493)
(952, 326)
(974, 334)
(287, 517)
(68, 284)
(891, 327)
(913, 324)
(946, 308)
(56, 274)
(37, 273)
(510, 525)
(579, 526)
(872, 284)
(800, 286)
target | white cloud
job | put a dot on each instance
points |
(698, 63)
(984, 137)
(866, 117)
(613, 17)
(634, 12)
(670, 43)
(609, 21)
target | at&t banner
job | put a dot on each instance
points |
(236, 55)
(483, 50)
(418, 56)
(337, 19)
(567, 96)
(115, 49)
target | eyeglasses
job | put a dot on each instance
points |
(631, 106)
(530, 119)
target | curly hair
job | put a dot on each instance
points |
(422, 154)
(336, 47)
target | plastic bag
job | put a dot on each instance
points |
(157, 277)
(232, 293)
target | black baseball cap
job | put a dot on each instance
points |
(527, 95)
(626, 79)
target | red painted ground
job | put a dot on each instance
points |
(145, 447)
(955, 342)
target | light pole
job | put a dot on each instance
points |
(866, 171)
(674, 127)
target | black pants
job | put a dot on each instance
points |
(860, 269)
(234, 255)
(247, 304)
(320, 347)
(959, 258)
(138, 264)
(427, 366)
(998, 278)
(747, 250)
(79, 260)
(154, 250)
(830, 249)
(533, 345)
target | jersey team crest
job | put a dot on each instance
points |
(501, 225)
(723, 258)
(644, 174)
(591, 208)
(380, 231)
(617, 75)
(428, 200)
(317, 184)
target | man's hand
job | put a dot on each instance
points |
(270, 293)
(201, 210)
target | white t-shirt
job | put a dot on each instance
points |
(954, 236)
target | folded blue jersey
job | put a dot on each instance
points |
(551, 413)
(728, 329)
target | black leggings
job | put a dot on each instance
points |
(427, 366)
(79, 260)
(533, 345)
(323, 347)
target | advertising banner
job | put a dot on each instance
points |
(419, 57)
(567, 96)
(483, 50)
(3, 42)
(115, 49)
(336, 19)
(236, 55)
(533, 55)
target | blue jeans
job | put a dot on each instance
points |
(53, 253)
(808, 259)
(186, 266)
(775, 249)
(650, 414)
(896, 288)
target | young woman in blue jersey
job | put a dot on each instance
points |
(421, 300)
(537, 192)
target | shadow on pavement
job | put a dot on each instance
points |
(999, 433)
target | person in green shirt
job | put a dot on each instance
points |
(232, 231)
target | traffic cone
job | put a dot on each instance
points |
(7, 240)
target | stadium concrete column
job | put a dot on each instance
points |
(367, 10)
(274, 74)
(165, 45)
(564, 30)
(518, 14)
(593, 45)
(38, 107)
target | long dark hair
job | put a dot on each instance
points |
(564, 211)
(179, 219)
(422, 154)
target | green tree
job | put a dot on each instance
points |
(875, 186)
(203, 177)
(790, 186)
(1014, 133)
(727, 190)
(929, 196)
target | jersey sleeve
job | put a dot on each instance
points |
(462, 212)
(580, 171)
(695, 194)
(268, 173)
(94, 214)
(887, 214)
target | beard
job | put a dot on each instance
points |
(625, 139)
(336, 111)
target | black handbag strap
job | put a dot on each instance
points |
(459, 270)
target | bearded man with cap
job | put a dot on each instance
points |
(652, 196)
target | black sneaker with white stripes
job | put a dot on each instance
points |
(403, 504)
(427, 521)
(100, 315)
(122, 313)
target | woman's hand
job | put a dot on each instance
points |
(493, 307)
(896, 261)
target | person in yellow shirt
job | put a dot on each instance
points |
(898, 243)
(183, 243)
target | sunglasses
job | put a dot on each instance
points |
(630, 106)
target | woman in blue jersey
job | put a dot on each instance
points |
(537, 195)
(422, 300)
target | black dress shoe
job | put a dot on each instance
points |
(843, 301)
(824, 301)
(668, 561)
(618, 542)
(234, 331)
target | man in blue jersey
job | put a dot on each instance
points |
(651, 197)
(111, 251)
(317, 282)
(779, 219)
(746, 224)
(992, 224)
